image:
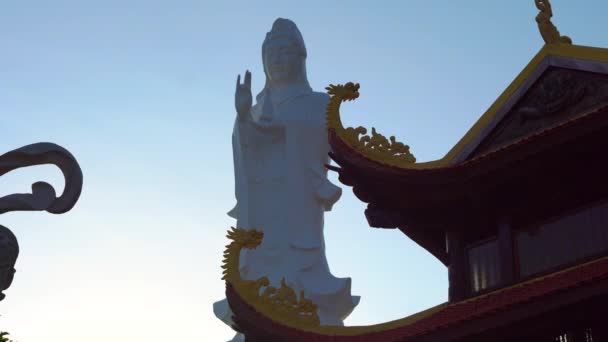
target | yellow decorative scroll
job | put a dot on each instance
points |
(376, 147)
(281, 305)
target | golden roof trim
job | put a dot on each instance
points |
(397, 154)
(484, 124)
(351, 136)
(282, 305)
(302, 314)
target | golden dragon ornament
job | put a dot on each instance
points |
(279, 304)
(375, 146)
(547, 29)
(282, 305)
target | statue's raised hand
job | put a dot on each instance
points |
(242, 96)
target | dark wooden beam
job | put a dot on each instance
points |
(457, 269)
(505, 252)
(428, 240)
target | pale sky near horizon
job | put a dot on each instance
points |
(141, 92)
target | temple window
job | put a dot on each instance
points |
(484, 267)
(585, 335)
(563, 241)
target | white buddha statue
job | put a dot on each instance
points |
(280, 150)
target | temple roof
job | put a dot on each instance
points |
(514, 180)
(544, 294)
(547, 126)
(560, 96)
(557, 53)
(585, 59)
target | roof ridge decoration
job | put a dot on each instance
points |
(279, 304)
(377, 146)
(282, 305)
(547, 29)
(300, 315)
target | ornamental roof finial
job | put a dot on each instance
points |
(547, 30)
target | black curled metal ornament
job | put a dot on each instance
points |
(42, 198)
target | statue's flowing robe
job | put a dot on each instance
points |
(282, 189)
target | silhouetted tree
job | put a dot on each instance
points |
(4, 338)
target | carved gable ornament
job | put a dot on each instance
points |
(562, 82)
(558, 95)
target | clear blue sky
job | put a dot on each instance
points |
(141, 92)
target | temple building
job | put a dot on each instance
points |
(517, 211)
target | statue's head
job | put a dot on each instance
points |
(284, 54)
(9, 251)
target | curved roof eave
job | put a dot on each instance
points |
(576, 57)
